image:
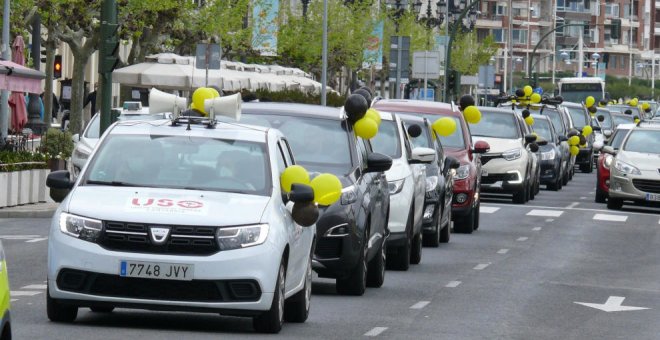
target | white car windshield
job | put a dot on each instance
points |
(497, 125)
(645, 141)
(387, 139)
(181, 162)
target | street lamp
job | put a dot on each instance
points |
(429, 20)
(595, 56)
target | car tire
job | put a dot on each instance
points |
(532, 192)
(59, 312)
(465, 224)
(445, 233)
(416, 251)
(475, 224)
(614, 203)
(433, 239)
(356, 281)
(272, 320)
(102, 309)
(376, 269)
(571, 173)
(601, 196)
(520, 197)
(564, 179)
(296, 308)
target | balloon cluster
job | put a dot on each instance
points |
(446, 126)
(365, 119)
(590, 103)
(200, 95)
(577, 139)
(646, 107)
(633, 102)
(327, 187)
(526, 95)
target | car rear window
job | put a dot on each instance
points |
(607, 119)
(623, 119)
(579, 117)
(497, 125)
(645, 141)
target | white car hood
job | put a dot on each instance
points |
(640, 160)
(400, 169)
(166, 206)
(498, 145)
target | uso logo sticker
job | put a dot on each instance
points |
(167, 205)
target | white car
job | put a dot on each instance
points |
(407, 184)
(170, 217)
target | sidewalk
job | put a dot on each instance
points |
(37, 210)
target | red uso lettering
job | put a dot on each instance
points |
(165, 202)
(136, 201)
(190, 204)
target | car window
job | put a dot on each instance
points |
(607, 119)
(578, 116)
(362, 151)
(543, 129)
(555, 118)
(456, 139)
(623, 119)
(94, 127)
(318, 144)
(424, 139)
(618, 137)
(646, 141)
(386, 140)
(182, 162)
(496, 124)
(281, 163)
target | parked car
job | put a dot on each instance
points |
(5, 298)
(635, 111)
(467, 180)
(605, 161)
(351, 233)
(634, 175)
(620, 118)
(407, 183)
(509, 166)
(580, 118)
(604, 116)
(552, 159)
(184, 217)
(436, 222)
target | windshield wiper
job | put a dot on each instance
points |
(114, 183)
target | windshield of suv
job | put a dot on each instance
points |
(497, 125)
(607, 122)
(387, 139)
(618, 137)
(542, 128)
(579, 117)
(318, 144)
(623, 119)
(646, 141)
(182, 162)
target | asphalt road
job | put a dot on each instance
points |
(518, 277)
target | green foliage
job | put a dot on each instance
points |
(295, 96)
(467, 54)
(22, 160)
(57, 144)
(619, 88)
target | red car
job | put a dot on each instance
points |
(465, 205)
(605, 160)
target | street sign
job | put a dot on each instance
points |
(207, 56)
(426, 65)
(486, 76)
(394, 56)
(613, 304)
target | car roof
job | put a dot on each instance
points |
(626, 126)
(495, 109)
(571, 104)
(164, 127)
(537, 116)
(648, 125)
(293, 109)
(416, 106)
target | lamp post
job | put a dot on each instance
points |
(305, 4)
(429, 20)
(458, 17)
(399, 8)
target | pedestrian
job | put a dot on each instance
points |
(55, 108)
(91, 98)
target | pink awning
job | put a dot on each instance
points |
(17, 78)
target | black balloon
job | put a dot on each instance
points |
(356, 107)
(414, 131)
(628, 112)
(305, 214)
(647, 110)
(534, 147)
(368, 90)
(635, 117)
(525, 113)
(593, 109)
(583, 139)
(465, 101)
(364, 93)
(601, 118)
(603, 102)
(520, 93)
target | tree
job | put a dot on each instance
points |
(467, 53)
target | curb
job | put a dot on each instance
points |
(33, 213)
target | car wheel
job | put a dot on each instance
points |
(356, 281)
(59, 312)
(532, 192)
(103, 309)
(614, 203)
(376, 270)
(520, 197)
(271, 321)
(445, 232)
(601, 196)
(475, 225)
(571, 173)
(564, 178)
(433, 239)
(465, 224)
(416, 253)
(296, 308)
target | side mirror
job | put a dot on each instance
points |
(301, 193)
(530, 139)
(481, 147)
(422, 156)
(60, 184)
(377, 162)
(609, 150)
(451, 163)
(562, 138)
(598, 145)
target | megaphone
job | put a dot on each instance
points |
(160, 102)
(229, 106)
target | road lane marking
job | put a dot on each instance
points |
(654, 214)
(572, 205)
(545, 213)
(375, 331)
(583, 198)
(536, 229)
(453, 284)
(658, 221)
(488, 210)
(37, 239)
(612, 218)
(521, 239)
(420, 305)
(591, 192)
(19, 237)
(549, 219)
(503, 251)
(13, 300)
(481, 266)
(23, 293)
(28, 287)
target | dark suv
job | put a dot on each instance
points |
(580, 117)
(350, 233)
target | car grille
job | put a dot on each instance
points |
(494, 178)
(328, 247)
(181, 240)
(647, 185)
(85, 282)
(485, 158)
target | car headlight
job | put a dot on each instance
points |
(84, 228)
(241, 237)
(626, 168)
(431, 183)
(348, 195)
(608, 160)
(546, 156)
(80, 154)
(512, 154)
(395, 186)
(463, 171)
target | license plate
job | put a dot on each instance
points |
(156, 270)
(484, 173)
(653, 197)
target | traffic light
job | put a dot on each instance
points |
(615, 29)
(451, 80)
(57, 67)
(109, 51)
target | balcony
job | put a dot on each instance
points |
(656, 31)
(489, 23)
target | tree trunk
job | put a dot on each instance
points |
(77, 92)
(48, 89)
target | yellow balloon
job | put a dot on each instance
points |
(574, 150)
(215, 92)
(590, 101)
(293, 174)
(327, 188)
(366, 128)
(200, 95)
(472, 114)
(444, 126)
(587, 130)
(528, 90)
(529, 120)
(583, 145)
(193, 106)
(636, 120)
(633, 102)
(574, 140)
(374, 115)
(646, 106)
(535, 98)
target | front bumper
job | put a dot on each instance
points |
(635, 188)
(338, 244)
(503, 176)
(550, 170)
(464, 198)
(585, 156)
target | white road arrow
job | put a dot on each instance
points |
(613, 304)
